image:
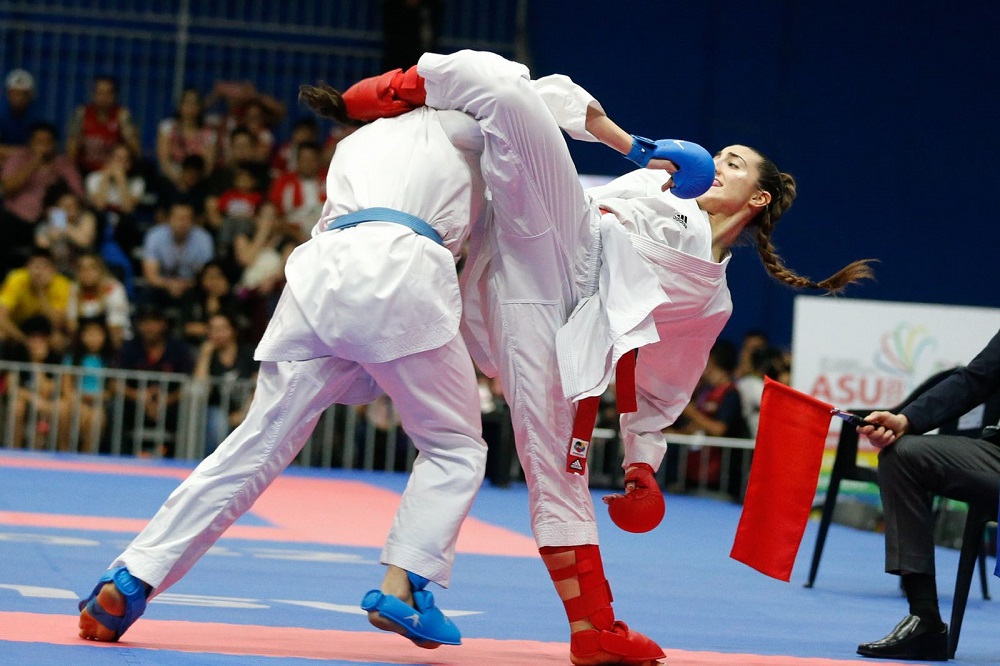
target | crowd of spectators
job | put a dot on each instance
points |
(171, 257)
(165, 257)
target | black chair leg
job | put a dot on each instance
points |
(972, 546)
(824, 524)
(983, 574)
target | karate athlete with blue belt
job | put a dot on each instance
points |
(368, 308)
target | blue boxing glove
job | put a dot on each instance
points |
(695, 166)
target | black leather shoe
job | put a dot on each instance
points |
(912, 638)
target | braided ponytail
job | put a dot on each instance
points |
(781, 187)
(325, 101)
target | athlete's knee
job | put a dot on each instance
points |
(503, 81)
(474, 454)
(479, 465)
(486, 68)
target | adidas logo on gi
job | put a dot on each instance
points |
(680, 217)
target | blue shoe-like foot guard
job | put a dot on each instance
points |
(425, 623)
(135, 601)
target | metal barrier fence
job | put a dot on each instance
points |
(157, 414)
(123, 412)
(696, 464)
(156, 48)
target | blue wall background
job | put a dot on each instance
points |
(886, 114)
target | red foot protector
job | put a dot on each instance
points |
(630, 648)
(611, 641)
(385, 96)
(641, 509)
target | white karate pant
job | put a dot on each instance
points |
(543, 238)
(436, 396)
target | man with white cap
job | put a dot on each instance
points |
(17, 112)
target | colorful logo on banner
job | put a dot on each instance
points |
(901, 349)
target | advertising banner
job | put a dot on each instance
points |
(858, 354)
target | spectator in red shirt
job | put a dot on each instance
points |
(299, 195)
(98, 126)
(239, 201)
(233, 211)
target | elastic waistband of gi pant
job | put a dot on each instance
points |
(413, 222)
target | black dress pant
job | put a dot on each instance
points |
(915, 469)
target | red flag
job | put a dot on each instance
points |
(786, 461)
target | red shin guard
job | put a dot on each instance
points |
(641, 509)
(611, 641)
(387, 95)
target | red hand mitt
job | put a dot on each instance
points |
(385, 96)
(641, 509)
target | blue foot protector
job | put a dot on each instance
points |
(426, 622)
(135, 601)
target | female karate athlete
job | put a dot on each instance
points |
(369, 308)
(563, 283)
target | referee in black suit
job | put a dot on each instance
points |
(914, 467)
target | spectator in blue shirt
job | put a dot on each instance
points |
(174, 252)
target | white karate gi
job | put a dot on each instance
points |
(636, 276)
(367, 309)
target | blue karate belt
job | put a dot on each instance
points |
(386, 215)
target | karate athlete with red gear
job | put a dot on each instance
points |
(561, 284)
(366, 309)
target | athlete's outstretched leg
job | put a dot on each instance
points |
(288, 400)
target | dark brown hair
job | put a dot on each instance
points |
(781, 187)
(325, 101)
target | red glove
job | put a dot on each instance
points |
(385, 96)
(641, 508)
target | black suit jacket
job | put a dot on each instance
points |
(966, 388)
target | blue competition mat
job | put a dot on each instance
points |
(283, 585)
